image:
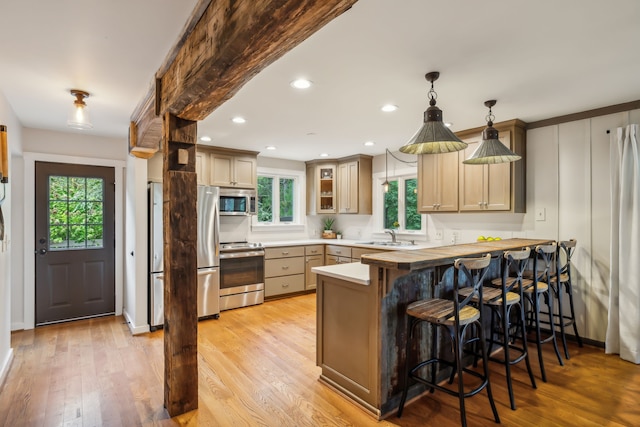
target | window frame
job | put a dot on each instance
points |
(299, 204)
(400, 175)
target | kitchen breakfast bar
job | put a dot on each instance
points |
(361, 320)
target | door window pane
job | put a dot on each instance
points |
(76, 212)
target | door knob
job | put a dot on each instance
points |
(42, 251)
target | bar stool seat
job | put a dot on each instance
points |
(439, 311)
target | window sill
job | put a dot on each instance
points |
(265, 228)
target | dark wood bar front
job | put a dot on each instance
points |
(372, 318)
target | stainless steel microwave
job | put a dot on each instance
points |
(237, 201)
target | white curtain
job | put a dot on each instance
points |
(623, 331)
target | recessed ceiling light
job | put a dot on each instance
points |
(205, 138)
(369, 143)
(324, 155)
(301, 84)
(270, 147)
(387, 108)
(448, 124)
(238, 119)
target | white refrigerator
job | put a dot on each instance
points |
(208, 250)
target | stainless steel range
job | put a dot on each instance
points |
(241, 274)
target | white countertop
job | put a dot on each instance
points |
(349, 242)
(351, 272)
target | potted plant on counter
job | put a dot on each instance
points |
(327, 232)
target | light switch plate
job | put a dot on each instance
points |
(540, 214)
(439, 235)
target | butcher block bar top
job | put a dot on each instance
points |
(361, 330)
(444, 255)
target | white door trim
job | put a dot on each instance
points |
(29, 266)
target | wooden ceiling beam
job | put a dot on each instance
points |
(229, 43)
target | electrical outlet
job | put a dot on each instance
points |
(541, 214)
(439, 235)
(455, 234)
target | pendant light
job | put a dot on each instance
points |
(385, 184)
(79, 115)
(434, 137)
(491, 150)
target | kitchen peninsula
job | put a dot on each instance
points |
(361, 321)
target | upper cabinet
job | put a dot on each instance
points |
(321, 188)
(438, 182)
(445, 184)
(339, 186)
(354, 185)
(226, 168)
(495, 187)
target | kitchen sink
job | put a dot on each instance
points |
(386, 243)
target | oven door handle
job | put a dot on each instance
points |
(241, 254)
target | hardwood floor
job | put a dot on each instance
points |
(257, 367)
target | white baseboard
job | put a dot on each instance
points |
(135, 329)
(17, 326)
(4, 368)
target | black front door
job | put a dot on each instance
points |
(75, 241)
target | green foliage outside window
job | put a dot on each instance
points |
(265, 199)
(76, 209)
(391, 206)
(286, 199)
(413, 219)
(267, 203)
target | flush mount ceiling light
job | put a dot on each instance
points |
(388, 108)
(205, 138)
(301, 84)
(369, 144)
(434, 137)
(491, 150)
(79, 115)
(239, 120)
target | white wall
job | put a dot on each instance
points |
(135, 230)
(8, 191)
(65, 147)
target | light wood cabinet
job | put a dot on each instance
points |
(438, 182)
(354, 185)
(321, 188)
(314, 257)
(226, 167)
(284, 270)
(339, 186)
(233, 171)
(495, 187)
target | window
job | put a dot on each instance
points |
(400, 210)
(75, 212)
(278, 199)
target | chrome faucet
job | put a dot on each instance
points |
(393, 235)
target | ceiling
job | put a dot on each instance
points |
(539, 59)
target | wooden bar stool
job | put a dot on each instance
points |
(506, 301)
(562, 281)
(544, 262)
(457, 317)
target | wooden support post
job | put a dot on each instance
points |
(180, 266)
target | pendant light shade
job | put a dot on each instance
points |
(79, 115)
(434, 137)
(491, 150)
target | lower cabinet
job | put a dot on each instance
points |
(284, 270)
(336, 254)
(314, 257)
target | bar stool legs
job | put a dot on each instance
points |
(562, 280)
(542, 262)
